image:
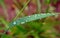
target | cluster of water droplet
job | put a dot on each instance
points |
(30, 18)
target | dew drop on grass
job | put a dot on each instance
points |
(22, 22)
(14, 23)
(26, 20)
(28, 16)
(53, 14)
(35, 16)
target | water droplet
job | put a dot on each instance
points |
(14, 23)
(43, 14)
(53, 14)
(28, 16)
(48, 13)
(35, 15)
(22, 22)
(26, 20)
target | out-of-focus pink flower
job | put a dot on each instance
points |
(31, 8)
(10, 10)
(8, 2)
(57, 6)
(1, 11)
(11, 13)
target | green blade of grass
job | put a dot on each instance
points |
(47, 1)
(38, 6)
(4, 22)
(30, 18)
(19, 13)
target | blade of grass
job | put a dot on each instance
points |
(47, 1)
(30, 18)
(4, 22)
(19, 13)
(17, 4)
(38, 6)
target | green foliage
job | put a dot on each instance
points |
(6, 36)
(47, 1)
(36, 25)
(30, 18)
